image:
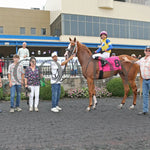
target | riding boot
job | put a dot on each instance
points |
(103, 61)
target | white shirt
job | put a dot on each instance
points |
(56, 70)
(22, 52)
(144, 67)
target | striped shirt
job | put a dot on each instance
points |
(16, 72)
(144, 67)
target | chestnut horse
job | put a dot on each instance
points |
(90, 70)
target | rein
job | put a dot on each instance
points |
(75, 47)
(89, 60)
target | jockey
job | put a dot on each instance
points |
(104, 49)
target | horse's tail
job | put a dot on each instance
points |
(141, 81)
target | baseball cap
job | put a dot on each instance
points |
(54, 54)
(133, 55)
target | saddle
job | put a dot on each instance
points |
(112, 64)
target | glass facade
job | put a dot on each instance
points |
(1, 30)
(56, 27)
(141, 2)
(68, 24)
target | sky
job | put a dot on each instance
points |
(26, 4)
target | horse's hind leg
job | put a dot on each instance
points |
(126, 91)
(134, 90)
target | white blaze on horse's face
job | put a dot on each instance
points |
(66, 53)
(69, 46)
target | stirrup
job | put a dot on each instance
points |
(104, 62)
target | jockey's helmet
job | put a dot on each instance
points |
(103, 32)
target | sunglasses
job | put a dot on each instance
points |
(147, 50)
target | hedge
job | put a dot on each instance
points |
(115, 86)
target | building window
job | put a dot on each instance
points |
(1, 30)
(43, 31)
(22, 30)
(33, 30)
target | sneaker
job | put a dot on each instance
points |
(59, 108)
(54, 109)
(0, 111)
(12, 110)
(143, 113)
(31, 109)
(36, 109)
(18, 109)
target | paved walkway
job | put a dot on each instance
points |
(105, 128)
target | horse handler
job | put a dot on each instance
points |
(56, 80)
(145, 73)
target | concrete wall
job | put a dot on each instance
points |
(113, 40)
(79, 82)
(12, 19)
(120, 10)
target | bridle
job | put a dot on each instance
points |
(74, 48)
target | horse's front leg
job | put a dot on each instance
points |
(95, 101)
(90, 86)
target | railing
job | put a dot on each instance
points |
(46, 70)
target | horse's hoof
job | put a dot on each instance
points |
(94, 107)
(88, 109)
(120, 106)
(131, 107)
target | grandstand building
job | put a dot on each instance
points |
(126, 21)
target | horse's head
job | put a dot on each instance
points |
(72, 48)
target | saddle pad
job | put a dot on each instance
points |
(112, 65)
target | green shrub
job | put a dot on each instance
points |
(46, 92)
(1, 94)
(7, 98)
(115, 86)
(62, 92)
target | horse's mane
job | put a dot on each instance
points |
(83, 47)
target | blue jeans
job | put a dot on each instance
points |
(56, 89)
(13, 90)
(146, 88)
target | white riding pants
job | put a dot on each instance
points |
(104, 55)
(34, 91)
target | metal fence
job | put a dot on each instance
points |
(46, 70)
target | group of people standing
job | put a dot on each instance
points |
(29, 77)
